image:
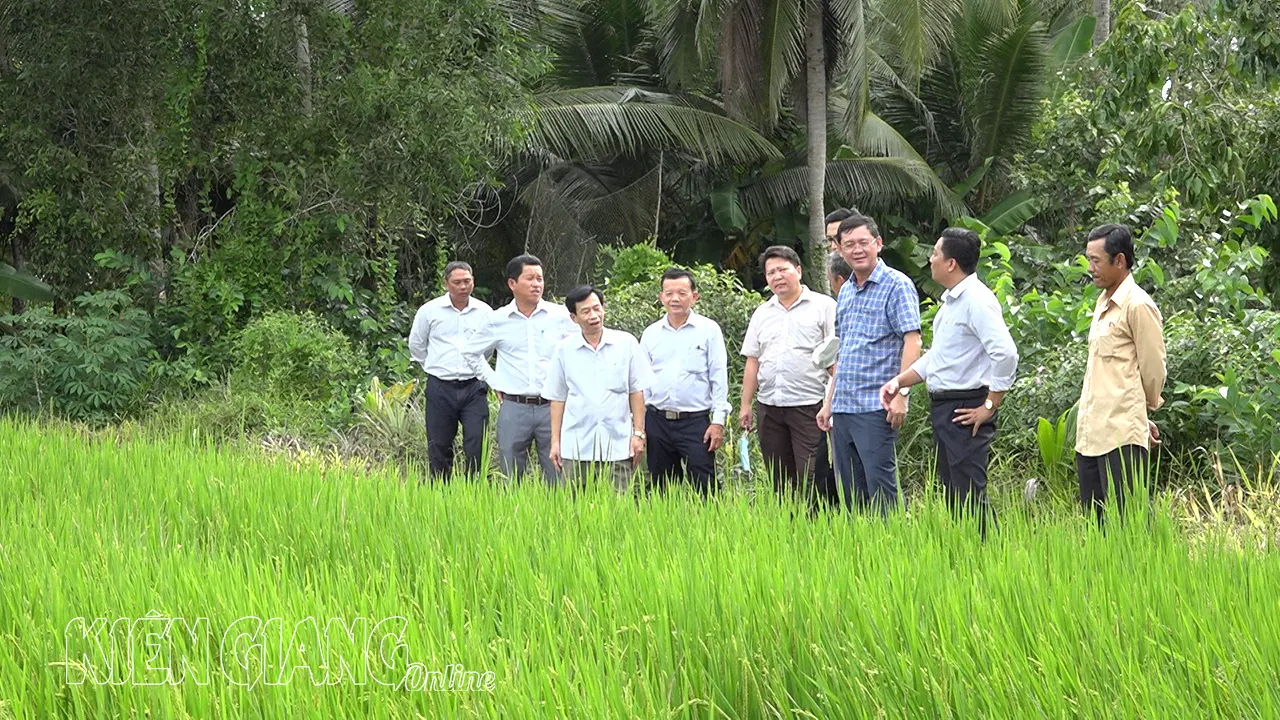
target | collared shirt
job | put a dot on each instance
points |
(595, 385)
(523, 345)
(971, 343)
(871, 322)
(783, 340)
(690, 366)
(1125, 372)
(438, 338)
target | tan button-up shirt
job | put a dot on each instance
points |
(1125, 372)
(783, 339)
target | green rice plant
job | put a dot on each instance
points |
(591, 603)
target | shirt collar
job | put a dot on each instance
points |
(876, 276)
(1120, 297)
(444, 301)
(511, 308)
(694, 320)
(606, 338)
(804, 296)
(958, 290)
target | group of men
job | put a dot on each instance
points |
(826, 385)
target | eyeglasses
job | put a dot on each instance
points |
(861, 244)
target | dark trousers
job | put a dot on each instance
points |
(450, 403)
(789, 438)
(865, 452)
(1113, 473)
(673, 443)
(962, 456)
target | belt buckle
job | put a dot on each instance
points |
(671, 415)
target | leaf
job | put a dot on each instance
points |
(23, 285)
(1012, 212)
(1072, 43)
(727, 210)
(972, 181)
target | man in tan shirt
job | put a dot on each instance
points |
(1123, 377)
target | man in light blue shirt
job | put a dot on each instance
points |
(967, 372)
(878, 323)
(595, 383)
(686, 406)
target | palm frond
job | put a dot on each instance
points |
(16, 283)
(741, 70)
(1007, 93)
(603, 122)
(854, 183)
(917, 31)
(781, 49)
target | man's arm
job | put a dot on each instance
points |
(636, 400)
(556, 389)
(750, 380)
(557, 420)
(1148, 337)
(718, 369)
(481, 343)
(420, 336)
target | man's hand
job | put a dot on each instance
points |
(1154, 432)
(501, 397)
(824, 417)
(637, 449)
(744, 418)
(888, 392)
(556, 460)
(713, 437)
(975, 417)
(897, 414)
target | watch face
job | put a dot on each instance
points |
(989, 405)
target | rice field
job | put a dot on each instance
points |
(230, 570)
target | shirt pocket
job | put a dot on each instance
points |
(694, 360)
(805, 336)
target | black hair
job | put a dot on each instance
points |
(517, 264)
(779, 251)
(676, 273)
(1118, 241)
(456, 265)
(853, 222)
(837, 216)
(839, 268)
(580, 293)
(963, 246)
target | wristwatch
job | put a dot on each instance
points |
(989, 405)
(640, 434)
(903, 391)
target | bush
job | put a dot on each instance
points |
(1201, 409)
(305, 371)
(632, 283)
(91, 365)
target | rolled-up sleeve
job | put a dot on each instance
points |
(1148, 337)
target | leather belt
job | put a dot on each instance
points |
(527, 399)
(673, 415)
(467, 381)
(950, 395)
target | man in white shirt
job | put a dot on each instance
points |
(455, 393)
(686, 406)
(523, 333)
(596, 385)
(967, 372)
(779, 346)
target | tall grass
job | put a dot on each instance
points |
(598, 605)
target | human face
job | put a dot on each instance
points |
(1107, 273)
(460, 285)
(940, 266)
(783, 277)
(836, 283)
(589, 315)
(527, 288)
(678, 297)
(860, 249)
(832, 230)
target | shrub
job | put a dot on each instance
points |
(91, 365)
(304, 370)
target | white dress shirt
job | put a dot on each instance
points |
(690, 366)
(971, 343)
(783, 339)
(440, 332)
(523, 344)
(595, 386)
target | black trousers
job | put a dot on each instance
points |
(789, 439)
(449, 404)
(675, 449)
(1114, 474)
(963, 456)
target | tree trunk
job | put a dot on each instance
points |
(19, 264)
(303, 52)
(816, 120)
(1101, 11)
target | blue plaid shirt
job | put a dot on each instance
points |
(870, 322)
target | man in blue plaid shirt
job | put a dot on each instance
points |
(878, 323)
